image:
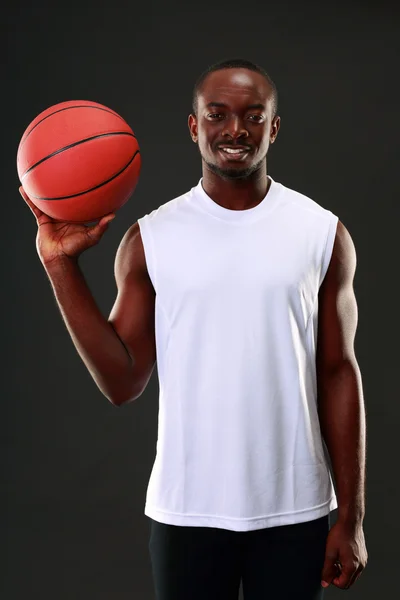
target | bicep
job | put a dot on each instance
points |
(133, 313)
(338, 313)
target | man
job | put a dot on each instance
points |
(243, 291)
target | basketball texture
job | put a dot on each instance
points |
(78, 161)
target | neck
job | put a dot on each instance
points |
(236, 194)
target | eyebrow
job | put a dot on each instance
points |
(222, 105)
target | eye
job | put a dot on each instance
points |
(212, 115)
(258, 117)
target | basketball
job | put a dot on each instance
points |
(78, 161)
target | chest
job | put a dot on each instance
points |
(238, 267)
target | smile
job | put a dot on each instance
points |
(234, 153)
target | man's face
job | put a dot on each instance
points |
(234, 113)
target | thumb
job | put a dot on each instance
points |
(329, 571)
(106, 219)
(96, 231)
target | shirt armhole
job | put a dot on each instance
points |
(148, 249)
(329, 243)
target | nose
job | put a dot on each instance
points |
(234, 127)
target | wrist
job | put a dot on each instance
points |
(350, 516)
(59, 264)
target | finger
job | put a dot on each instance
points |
(329, 570)
(106, 219)
(101, 226)
(36, 211)
(356, 575)
(343, 581)
(102, 221)
(96, 231)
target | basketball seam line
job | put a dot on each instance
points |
(90, 189)
(72, 146)
(68, 108)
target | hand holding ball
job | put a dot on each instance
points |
(78, 161)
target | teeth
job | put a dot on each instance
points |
(232, 151)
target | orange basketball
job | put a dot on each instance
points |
(78, 161)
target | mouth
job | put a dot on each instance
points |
(236, 153)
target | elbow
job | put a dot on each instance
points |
(120, 402)
(120, 399)
(339, 369)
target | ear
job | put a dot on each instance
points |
(192, 123)
(276, 123)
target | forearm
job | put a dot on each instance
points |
(342, 419)
(97, 343)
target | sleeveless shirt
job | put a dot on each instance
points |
(239, 445)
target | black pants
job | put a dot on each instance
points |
(208, 563)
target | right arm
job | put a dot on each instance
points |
(120, 352)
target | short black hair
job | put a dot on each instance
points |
(234, 63)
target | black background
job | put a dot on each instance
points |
(74, 468)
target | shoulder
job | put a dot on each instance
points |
(131, 240)
(155, 220)
(343, 262)
(130, 254)
(304, 203)
(344, 251)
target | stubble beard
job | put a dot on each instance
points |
(233, 174)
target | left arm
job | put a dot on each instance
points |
(340, 396)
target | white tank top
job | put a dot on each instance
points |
(239, 444)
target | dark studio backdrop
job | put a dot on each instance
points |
(74, 468)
